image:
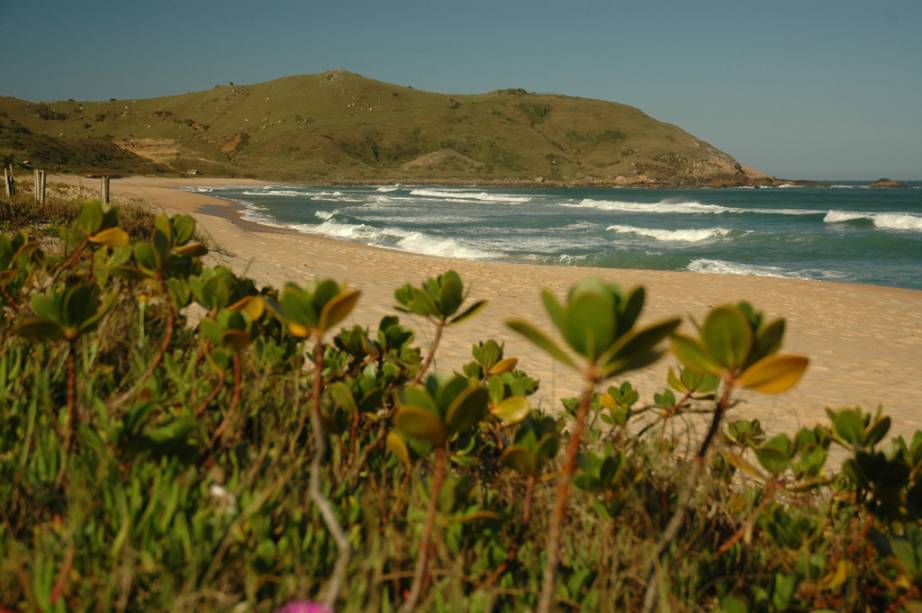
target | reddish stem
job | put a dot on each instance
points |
(161, 351)
(439, 327)
(71, 404)
(218, 385)
(560, 503)
(316, 494)
(684, 503)
(526, 505)
(60, 584)
(9, 298)
(438, 477)
(235, 401)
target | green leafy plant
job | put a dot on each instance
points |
(435, 412)
(17, 253)
(737, 345)
(537, 439)
(597, 323)
(438, 300)
(311, 312)
(419, 494)
(65, 314)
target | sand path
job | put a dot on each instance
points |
(865, 342)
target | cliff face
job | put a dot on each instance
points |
(339, 126)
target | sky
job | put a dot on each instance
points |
(825, 89)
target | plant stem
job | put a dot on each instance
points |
(218, 385)
(513, 550)
(71, 404)
(329, 517)
(356, 467)
(353, 433)
(235, 400)
(161, 351)
(60, 584)
(438, 477)
(560, 503)
(681, 510)
(10, 300)
(74, 256)
(439, 328)
(529, 493)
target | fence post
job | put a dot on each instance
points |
(9, 182)
(104, 189)
(39, 186)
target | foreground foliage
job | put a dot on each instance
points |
(173, 436)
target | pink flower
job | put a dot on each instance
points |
(304, 606)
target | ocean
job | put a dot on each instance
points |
(847, 232)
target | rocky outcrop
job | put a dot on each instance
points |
(235, 143)
(883, 182)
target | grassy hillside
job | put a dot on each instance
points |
(340, 126)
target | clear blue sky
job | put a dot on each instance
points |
(812, 88)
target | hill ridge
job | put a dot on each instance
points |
(341, 127)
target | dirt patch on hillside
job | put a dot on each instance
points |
(160, 150)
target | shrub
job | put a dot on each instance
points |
(255, 455)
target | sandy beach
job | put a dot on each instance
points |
(864, 342)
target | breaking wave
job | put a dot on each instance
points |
(342, 227)
(885, 221)
(678, 207)
(683, 236)
(724, 267)
(469, 195)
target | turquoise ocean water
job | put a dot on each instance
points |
(847, 232)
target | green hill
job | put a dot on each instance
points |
(341, 127)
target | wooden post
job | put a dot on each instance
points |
(39, 186)
(104, 190)
(8, 181)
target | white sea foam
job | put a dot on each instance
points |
(885, 221)
(580, 225)
(393, 238)
(469, 195)
(733, 268)
(419, 242)
(664, 206)
(390, 188)
(257, 214)
(724, 267)
(685, 236)
(273, 192)
(678, 207)
(334, 196)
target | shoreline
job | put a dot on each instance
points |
(864, 341)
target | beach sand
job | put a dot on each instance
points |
(864, 342)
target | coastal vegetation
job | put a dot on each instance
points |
(175, 437)
(341, 127)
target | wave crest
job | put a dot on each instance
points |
(469, 195)
(683, 236)
(691, 207)
(885, 221)
(335, 226)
